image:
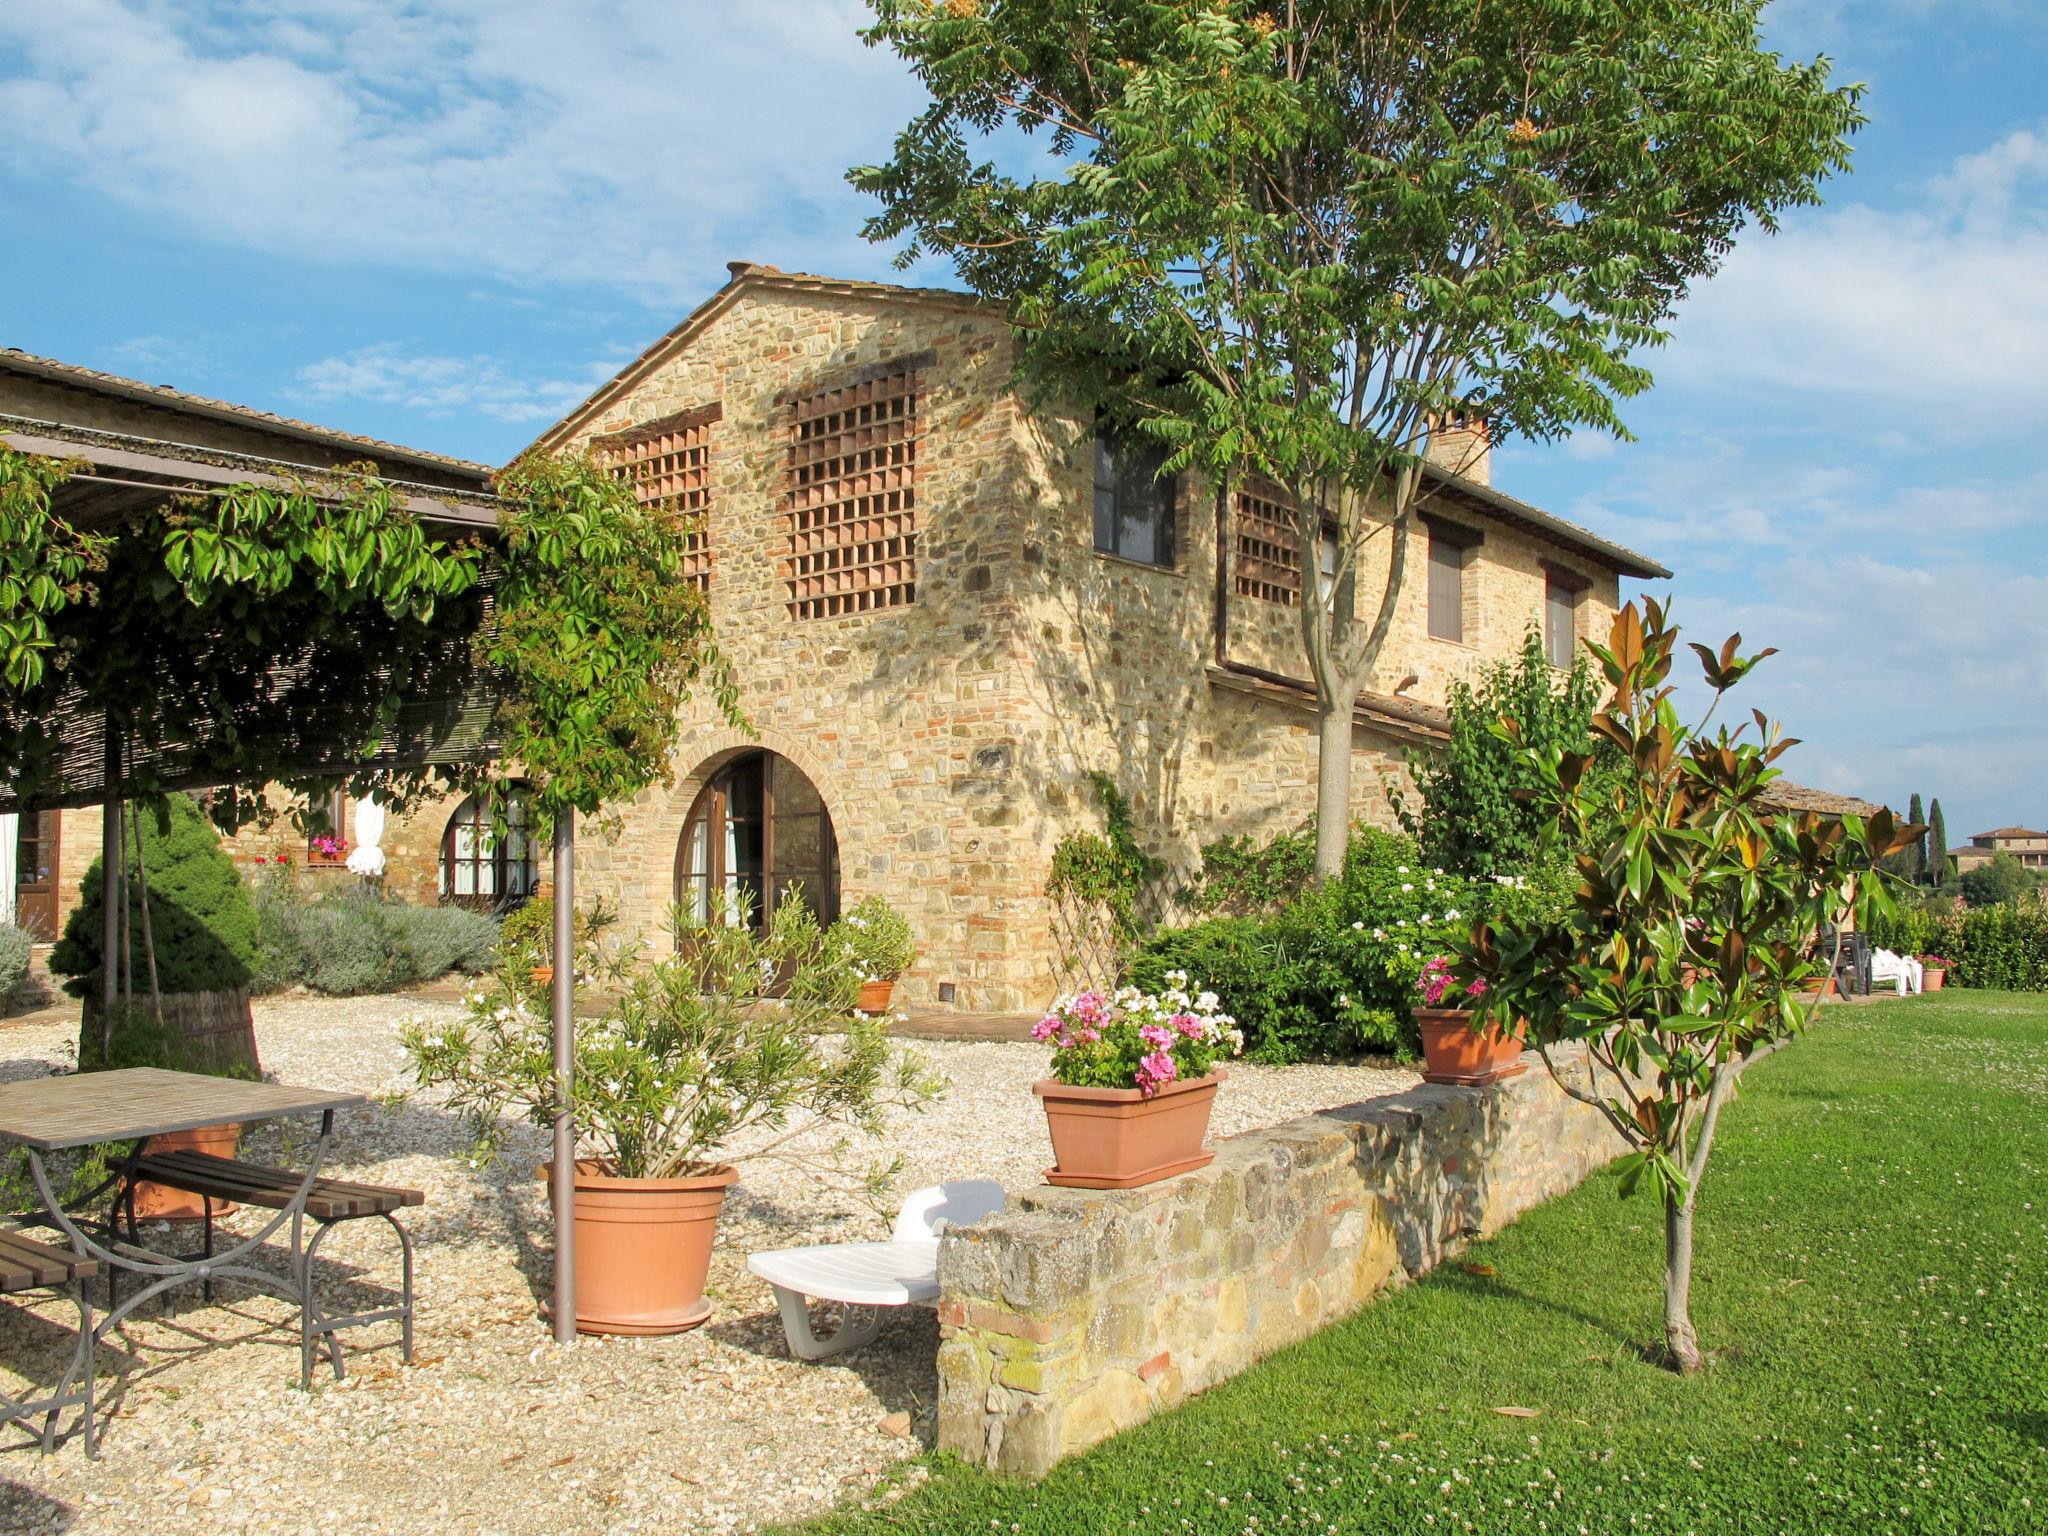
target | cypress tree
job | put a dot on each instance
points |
(1937, 844)
(1916, 856)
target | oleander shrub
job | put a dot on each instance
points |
(201, 915)
(2003, 947)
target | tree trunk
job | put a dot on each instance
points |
(1333, 786)
(1679, 1337)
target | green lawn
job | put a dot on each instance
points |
(1870, 1273)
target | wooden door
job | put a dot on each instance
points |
(35, 877)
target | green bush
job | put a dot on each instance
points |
(1909, 929)
(2000, 878)
(355, 940)
(1240, 877)
(201, 915)
(2004, 947)
(14, 952)
(1332, 971)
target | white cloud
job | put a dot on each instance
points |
(439, 385)
(636, 144)
(1937, 314)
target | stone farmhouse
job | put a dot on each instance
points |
(946, 611)
(2023, 843)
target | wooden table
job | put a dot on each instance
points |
(54, 1114)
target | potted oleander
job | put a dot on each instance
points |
(1134, 1077)
(874, 939)
(1933, 973)
(722, 1051)
(1457, 1047)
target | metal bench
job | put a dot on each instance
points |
(330, 1202)
(27, 1265)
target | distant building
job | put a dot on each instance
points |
(2023, 843)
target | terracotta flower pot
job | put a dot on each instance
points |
(643, 1249)
(1116, 1138)
(153, 1202)
(1454, 1052)
(874, 995)
(1933, 978)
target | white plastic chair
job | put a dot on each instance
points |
(1903, 971)
(865, 1278)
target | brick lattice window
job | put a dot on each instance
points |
(668, 463)
(1268, 547)
(850, 497)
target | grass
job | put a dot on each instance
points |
(1872, 1241)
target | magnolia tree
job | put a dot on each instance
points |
(1693, 941)
(1287, 238)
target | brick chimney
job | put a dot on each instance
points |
(1460, 442)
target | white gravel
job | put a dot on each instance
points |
(495, 1428)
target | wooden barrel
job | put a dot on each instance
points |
(216, 1028)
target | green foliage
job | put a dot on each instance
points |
(1939, 867)
(1916, 853)
(15, 948)
(1332, 971)
(2000, 878)
(355, 939)
(1908, 929)
(1288, 240)
(693, 1053)
(43, 564)
(1241, 878)
(200, 911)
(1479, 811)
(2004, 946)
(1837, 1188)
(1685, 945)
(874, 938)
(598, 633)
(1104, 880)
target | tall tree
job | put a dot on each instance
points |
(1916, 853)
(1937, 843)
(1287, 239)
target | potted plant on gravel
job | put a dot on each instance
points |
(708, 1057)
(1457, 1047)
(1933, 973)
(1134, 1077)
(875, 939)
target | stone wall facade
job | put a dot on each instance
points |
(1077, 1314)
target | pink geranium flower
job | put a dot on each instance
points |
(1158, 1036)
(1155, 1072)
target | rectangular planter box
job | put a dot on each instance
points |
(1117, 1138)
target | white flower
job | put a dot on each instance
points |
(1425, 917)
(1380, 934)
(1401, 869)
(1357, 927)
(1406, 887)
(1451, 916)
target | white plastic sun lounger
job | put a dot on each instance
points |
(867, 1277)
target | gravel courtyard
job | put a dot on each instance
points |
(497, 1429)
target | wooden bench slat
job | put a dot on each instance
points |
(221, 1178)
(27, 1265)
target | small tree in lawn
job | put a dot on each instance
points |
(1684, 951)
(1288, 238)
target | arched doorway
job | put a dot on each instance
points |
(759, 828)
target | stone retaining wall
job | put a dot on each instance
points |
(1077, 1314)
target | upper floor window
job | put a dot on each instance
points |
(1133, 500)
(1269, 548)
(850, 495)
(668, 464)
(1450, 551)
(1561, 590)
(485, 867)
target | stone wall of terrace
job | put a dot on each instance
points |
(1078, 1314)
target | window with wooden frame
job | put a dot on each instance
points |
(325, 843)
(482, 867)
(850, 495)
(1562, 589)
(1134, 500)
(1269, 548)
(668, 464)
(1450, 551)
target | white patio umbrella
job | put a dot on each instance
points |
(366, 858)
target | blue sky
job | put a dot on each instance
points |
(442, 222)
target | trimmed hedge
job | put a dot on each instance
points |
(2003, 947)
(15, 944)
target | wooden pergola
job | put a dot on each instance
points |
(448, 723)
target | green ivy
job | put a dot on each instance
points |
(43, 562)
(1107, 871)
